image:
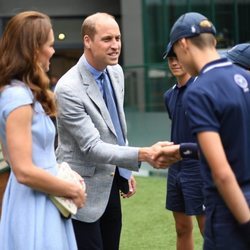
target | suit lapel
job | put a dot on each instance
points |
(94, 94)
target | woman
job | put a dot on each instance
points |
(29, 219)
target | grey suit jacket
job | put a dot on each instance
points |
(87, 139)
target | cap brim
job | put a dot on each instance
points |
(169, 51)
(164, 56)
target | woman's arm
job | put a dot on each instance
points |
(19, 147)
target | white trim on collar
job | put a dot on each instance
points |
(218, 65)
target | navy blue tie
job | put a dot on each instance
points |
(112, 108)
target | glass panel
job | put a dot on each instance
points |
(224, 23)
(153, 30)
(174, 9)
(230, 17)
(244, 20)
(204, 7)
(154, 34)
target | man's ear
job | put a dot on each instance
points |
(183, 43)
(86, 42)
(215, 43)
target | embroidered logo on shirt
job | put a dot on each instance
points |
(241, 82)
(187, 152)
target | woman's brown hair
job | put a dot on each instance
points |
(23, 38)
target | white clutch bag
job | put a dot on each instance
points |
(66, 206)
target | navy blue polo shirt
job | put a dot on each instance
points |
(180, 130)
(219, 100)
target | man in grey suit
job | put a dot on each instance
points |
(88, 137)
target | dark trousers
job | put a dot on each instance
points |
(104, 234)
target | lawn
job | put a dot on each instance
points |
(147, 225)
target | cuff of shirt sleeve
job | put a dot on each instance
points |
(189, 150)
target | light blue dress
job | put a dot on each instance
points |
(29, 219)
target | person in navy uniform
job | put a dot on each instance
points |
(218, 109)
(240, 55)
(184, 183)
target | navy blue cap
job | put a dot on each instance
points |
(240, 54)
(169, 52)
(188, 25)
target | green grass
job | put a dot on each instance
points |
(147, 225)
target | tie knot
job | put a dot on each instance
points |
(101, 76)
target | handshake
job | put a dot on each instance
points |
(163, 154)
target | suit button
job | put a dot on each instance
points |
(112, 174)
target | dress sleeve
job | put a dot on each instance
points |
(13, 97)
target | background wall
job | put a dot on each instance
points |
(133, 49)
(60, 7)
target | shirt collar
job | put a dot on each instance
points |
(96, 73)
(191, 79)
(222, 62)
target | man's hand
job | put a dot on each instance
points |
(132, 188)
(167, 155)
(160, 155)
